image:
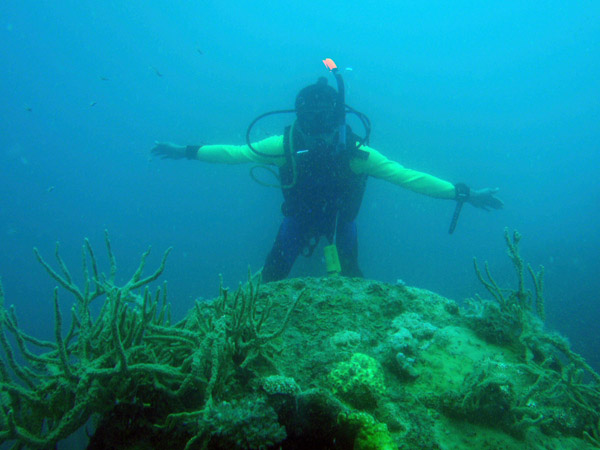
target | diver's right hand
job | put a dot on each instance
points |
(167, 150)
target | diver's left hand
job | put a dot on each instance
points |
(485, 198)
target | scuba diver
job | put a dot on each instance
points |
(323, 168)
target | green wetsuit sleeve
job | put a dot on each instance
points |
(239, 154)
(378, 166)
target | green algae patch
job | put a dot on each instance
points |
(370, 434)
(452, 355)
(359, 381)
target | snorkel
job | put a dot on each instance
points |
(340, 106)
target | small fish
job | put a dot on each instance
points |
(104, 78)
(156, 71)
(28, 108)
(50, 189)
(92, 104)
(200, 51)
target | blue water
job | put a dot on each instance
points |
(500, 94)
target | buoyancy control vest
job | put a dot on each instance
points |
(324, 184)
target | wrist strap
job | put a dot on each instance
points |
(462, 195)
(191, 151)
(463, 192)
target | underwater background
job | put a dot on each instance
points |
(498, 94)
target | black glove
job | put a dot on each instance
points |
(484, 198)
(167, 150)
(480, 198)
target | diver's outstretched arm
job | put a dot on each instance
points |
(271, 152)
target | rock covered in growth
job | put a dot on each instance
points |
(408, 359)
(346, 339)
(334, 363)
(278, 384)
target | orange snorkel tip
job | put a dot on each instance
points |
(329, 64)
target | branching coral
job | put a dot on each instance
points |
(512, 318)
(519, 300)
(52, 394)
(128, 350)
(235, 334)
(557, 372)
(245, 318)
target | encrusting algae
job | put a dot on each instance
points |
(331, 363)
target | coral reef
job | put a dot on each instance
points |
(332, 363)
(510, 319)
(91, 368)
(370, 434)
(554, 397)
(245, 423)
(359, 381)
(129, 354)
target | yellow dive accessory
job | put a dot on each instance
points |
(332, 260)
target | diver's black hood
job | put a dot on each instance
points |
(316, 108)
